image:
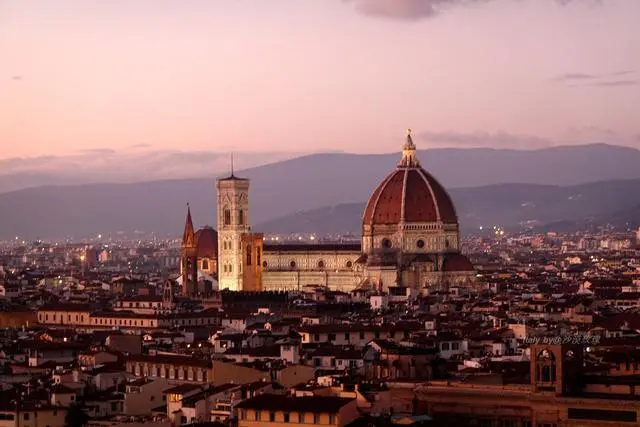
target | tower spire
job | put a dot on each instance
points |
(409, 159)
(188, 238)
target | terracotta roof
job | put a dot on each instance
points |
(409, 194)
(457, 262)
(314, 404)
(207, 243)
(319, 247)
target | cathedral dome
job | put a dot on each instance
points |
(409, 194)
(207, 243)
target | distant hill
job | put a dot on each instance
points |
(507, 205)
(321, 180)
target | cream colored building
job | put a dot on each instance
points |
(410, 238)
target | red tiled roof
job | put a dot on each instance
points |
(207, 243)
(314, 404)
(457, 262)
(410, 194)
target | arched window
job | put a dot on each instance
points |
(248, 254)
(321, 264)
(292, 264)
(227, 216)
(240, 217)
(546, 367)
(205, 264)
(386, 243)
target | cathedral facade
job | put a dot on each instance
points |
(410, 238)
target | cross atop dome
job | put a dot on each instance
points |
(409, 159)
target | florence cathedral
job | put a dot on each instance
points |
(410, 239)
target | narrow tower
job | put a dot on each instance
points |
(233, 224)
(189, 261)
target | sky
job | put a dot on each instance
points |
(85, 77)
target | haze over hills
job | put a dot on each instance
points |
(135, 165)
(454, 167)
(320, 180)
(507, 205)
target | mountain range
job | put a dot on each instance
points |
(512, 206)
(489, 186)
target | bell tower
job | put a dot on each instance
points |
(189, 258)
(233, 224)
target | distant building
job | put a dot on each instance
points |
(410, 237)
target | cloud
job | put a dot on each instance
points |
(107, 165)
(406, 9)
(97, 151)
(599, 80)
(485, 139)
(617, 83)
(413, 10)
(574, 76)
(582, 77)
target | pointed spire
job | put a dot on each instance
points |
(409, 142)
(188, 238)
(409, 159)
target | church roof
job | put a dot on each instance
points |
(409, 194)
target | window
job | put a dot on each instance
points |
(332, 419)
(386, 243)
(346, 336)
(292, 264)
(361, 335)
(321, 264)
(316, 418)
(272, 417)
(264, 263)
(258, 256)
(205, 264)
(332, 337)
(227, 216)
(241, 217)
(248, 254)
(349, 264)
(26, 416)
(243, 414)
(420, 244)
(286, 417)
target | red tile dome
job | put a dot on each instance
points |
(409, 194)
(207, 243)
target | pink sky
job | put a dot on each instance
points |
(311, 75)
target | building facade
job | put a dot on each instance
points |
(410, 238)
